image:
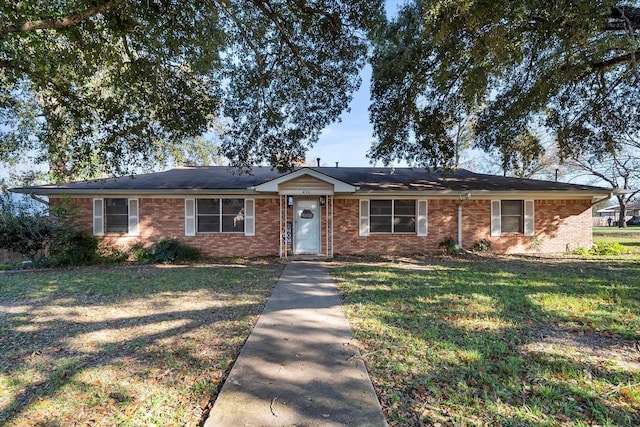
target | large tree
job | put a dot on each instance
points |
(619, 170)
(110, 85)
(571, 65)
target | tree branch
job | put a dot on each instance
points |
(632, 56)
(55, 24)
(632, 40)
(265, 7)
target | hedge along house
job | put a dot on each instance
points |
(326, 211)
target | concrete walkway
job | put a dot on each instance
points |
(299, 366)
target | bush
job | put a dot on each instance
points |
(581, 251)
(72, 248)
(604, 248)
(609, 248)
(450, 246)
(23, 229)
(169, 250)
(112, 254)
(482, 245)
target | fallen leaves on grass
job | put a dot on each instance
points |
(143, 346)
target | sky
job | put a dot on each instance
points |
(349, 140)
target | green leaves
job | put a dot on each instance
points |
(111, 82)
(510, 64)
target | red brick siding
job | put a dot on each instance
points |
(560, 225)
(348, 241)
(81, 209)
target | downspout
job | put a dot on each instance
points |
(460, 204)
(38, 199)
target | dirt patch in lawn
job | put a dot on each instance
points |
(581, 346)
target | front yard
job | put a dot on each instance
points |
(133, 346)
(499, 341)
(468, 340)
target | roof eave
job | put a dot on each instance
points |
(137, 192)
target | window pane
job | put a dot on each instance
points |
(116, 206)
(208, 223)
(512, 207)
(232, 206)
(512, 224)
(380, 207)
(233, 223)
(404, 224)
(405, 207)
(209, 206)
(380, 224)
(117, 224)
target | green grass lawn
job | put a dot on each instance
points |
(499, 341)
(123, 346)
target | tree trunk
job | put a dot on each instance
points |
(623, 212)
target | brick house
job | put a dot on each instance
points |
(327, 211)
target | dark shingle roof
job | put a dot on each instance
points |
(366, 178)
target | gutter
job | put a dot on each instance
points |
(593, 203)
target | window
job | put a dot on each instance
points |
(220, 215)
(392, 216)
(512, 217)
(115, 215)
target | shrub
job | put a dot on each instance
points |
(112, 254)
(450, 246)
(609, 248)
(23, 229)
(72, 248)
(482, 245)
(581, 251)
(604, 248)
(170, 250)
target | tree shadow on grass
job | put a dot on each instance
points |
(49, 341)
(448, 343)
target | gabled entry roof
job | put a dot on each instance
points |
(274, 185)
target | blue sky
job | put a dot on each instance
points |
(348, 141)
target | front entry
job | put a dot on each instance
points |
(306, 237)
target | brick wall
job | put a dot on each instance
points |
(560, 225)
(348, 241)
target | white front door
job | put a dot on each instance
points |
(306, 238)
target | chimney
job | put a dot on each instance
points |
(336, 164)
(318, 160)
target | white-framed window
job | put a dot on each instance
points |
(219, 215)
(393, 216)
(512, 217)
(115, 215)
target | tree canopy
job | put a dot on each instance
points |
(567, 66)
(116, 84)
